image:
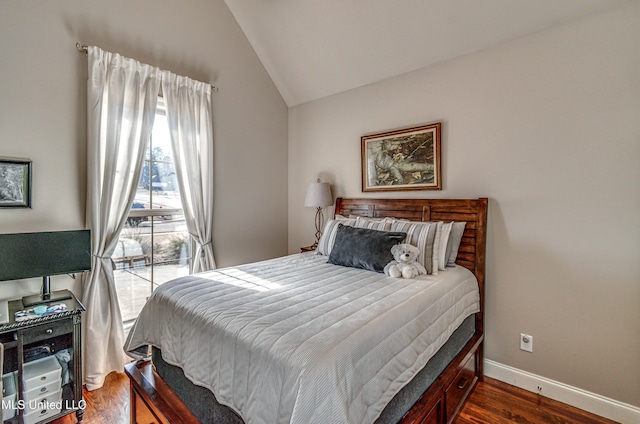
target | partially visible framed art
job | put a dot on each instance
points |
(406, 159)
(15, 183)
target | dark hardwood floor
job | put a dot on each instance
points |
(492, 402)
(107, 405)
(495, 402)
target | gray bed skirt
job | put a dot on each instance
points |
(205, 407)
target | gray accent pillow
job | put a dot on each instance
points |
(364, 248)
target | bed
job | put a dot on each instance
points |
(298, 339)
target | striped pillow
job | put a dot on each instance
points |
(426, 237)
(444, 241)
(453, 244)
(373, 224)
(328, 236)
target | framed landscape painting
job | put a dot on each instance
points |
(15, 183)
(406, 159)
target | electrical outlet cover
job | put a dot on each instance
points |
(526, 342)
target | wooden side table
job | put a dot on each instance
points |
(152, 400)
(42, 337)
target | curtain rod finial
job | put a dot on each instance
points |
(82, 48)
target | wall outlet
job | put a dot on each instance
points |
(526, 342)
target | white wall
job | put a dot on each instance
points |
(547, 127)
(43, 112)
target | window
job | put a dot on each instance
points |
(153, 247)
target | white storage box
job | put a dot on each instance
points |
(42, 408)
(41, 372)
(9, 398)
(50, 401)
(51, 387)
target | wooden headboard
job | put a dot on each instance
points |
(472, 250)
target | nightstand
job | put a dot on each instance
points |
(44, 354)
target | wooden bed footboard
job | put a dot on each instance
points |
(151, 400)
(443, 400)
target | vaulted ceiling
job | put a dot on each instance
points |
(316, 48)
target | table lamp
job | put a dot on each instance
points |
(318, 196)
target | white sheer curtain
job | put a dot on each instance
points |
(122, 98)
(188, 105)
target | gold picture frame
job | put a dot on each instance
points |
(405, 159)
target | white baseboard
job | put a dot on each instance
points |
(582, 399)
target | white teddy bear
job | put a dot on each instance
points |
(405, 264)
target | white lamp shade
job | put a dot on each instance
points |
(318, 195)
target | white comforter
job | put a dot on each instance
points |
(298, 340)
